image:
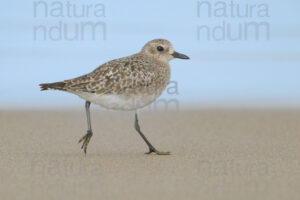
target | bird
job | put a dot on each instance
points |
(129, 84)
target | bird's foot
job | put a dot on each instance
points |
(157, 152)
(86, 139)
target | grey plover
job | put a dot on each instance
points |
(128, 83)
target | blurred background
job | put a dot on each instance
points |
(243, 53)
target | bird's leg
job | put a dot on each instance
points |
(87, 137)
(151, 147)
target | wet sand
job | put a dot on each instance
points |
(216, 154)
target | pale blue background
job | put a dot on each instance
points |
(242, 73)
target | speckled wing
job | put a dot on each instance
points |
(115, 77)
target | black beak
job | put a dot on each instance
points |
(179, 55)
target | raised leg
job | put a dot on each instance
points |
(87, 137)
(151, 147)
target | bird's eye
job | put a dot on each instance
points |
(160, 48)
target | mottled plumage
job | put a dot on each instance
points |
(127, 83)
(136, 80)
(118, 76)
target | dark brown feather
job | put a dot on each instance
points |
(54, 86)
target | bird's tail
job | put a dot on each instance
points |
(53, 86)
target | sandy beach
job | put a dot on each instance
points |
(216, 154)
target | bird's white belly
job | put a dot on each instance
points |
(119, 102)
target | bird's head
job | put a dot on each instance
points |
(162, 50)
